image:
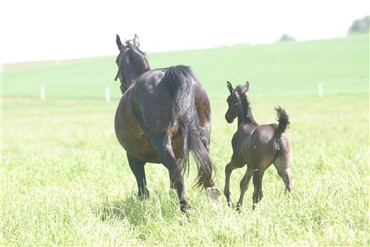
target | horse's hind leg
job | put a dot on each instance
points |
(167, 157)
(137, 167)
(244, 186)
(211, 190)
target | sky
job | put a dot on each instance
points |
(33, 30)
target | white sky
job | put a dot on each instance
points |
(61, 29)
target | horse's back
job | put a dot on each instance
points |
(146, 112)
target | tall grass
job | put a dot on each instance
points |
(66, 180)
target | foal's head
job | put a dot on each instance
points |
(131, 61)
(235, 99)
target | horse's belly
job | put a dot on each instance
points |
(135, 143)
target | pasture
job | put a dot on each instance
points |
(66, 180)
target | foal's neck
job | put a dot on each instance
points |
(245, 115)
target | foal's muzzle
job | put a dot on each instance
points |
(228, 118)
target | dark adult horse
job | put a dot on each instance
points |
(162, 116)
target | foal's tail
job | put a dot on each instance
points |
(180, 79)
(283, 120)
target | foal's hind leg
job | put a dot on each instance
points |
(244, 186)
(257, 182)
(283, 167)
(284, 162)
(137, 167)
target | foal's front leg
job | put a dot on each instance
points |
(244, 186)
(228, 170)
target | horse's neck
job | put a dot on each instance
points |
(138, 66)
(141, 64)
(134, 73)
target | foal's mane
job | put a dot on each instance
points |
(245, 104)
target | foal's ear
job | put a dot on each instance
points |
(136, 41)
(245, 87)
(230, 87)
(118, 42)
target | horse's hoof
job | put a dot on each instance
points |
(238, 208)
(254, 206)
(189, 211)
(143, 195)
(213, 193)
(230, 204)
(184, 205)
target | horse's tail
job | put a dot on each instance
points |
(181, 79)
(283, 120)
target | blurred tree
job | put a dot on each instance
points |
(286, 37)
(360, 26)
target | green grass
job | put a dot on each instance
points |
(66, 181)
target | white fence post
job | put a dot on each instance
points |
(42, 92)
(107, 94)
(320, 89)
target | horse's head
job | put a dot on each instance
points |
(131, 61)
(234, 100)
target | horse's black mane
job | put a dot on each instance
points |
(133, 47)
(137, 58)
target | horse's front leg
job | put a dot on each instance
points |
(137, 167)
(167, 157)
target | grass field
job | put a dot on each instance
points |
(66, 181)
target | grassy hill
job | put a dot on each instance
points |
(280, 68)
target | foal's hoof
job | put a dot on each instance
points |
(213, 193)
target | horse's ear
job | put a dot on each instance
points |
(136, 41)
(245, 87)
(118, 42)
(230, 87)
